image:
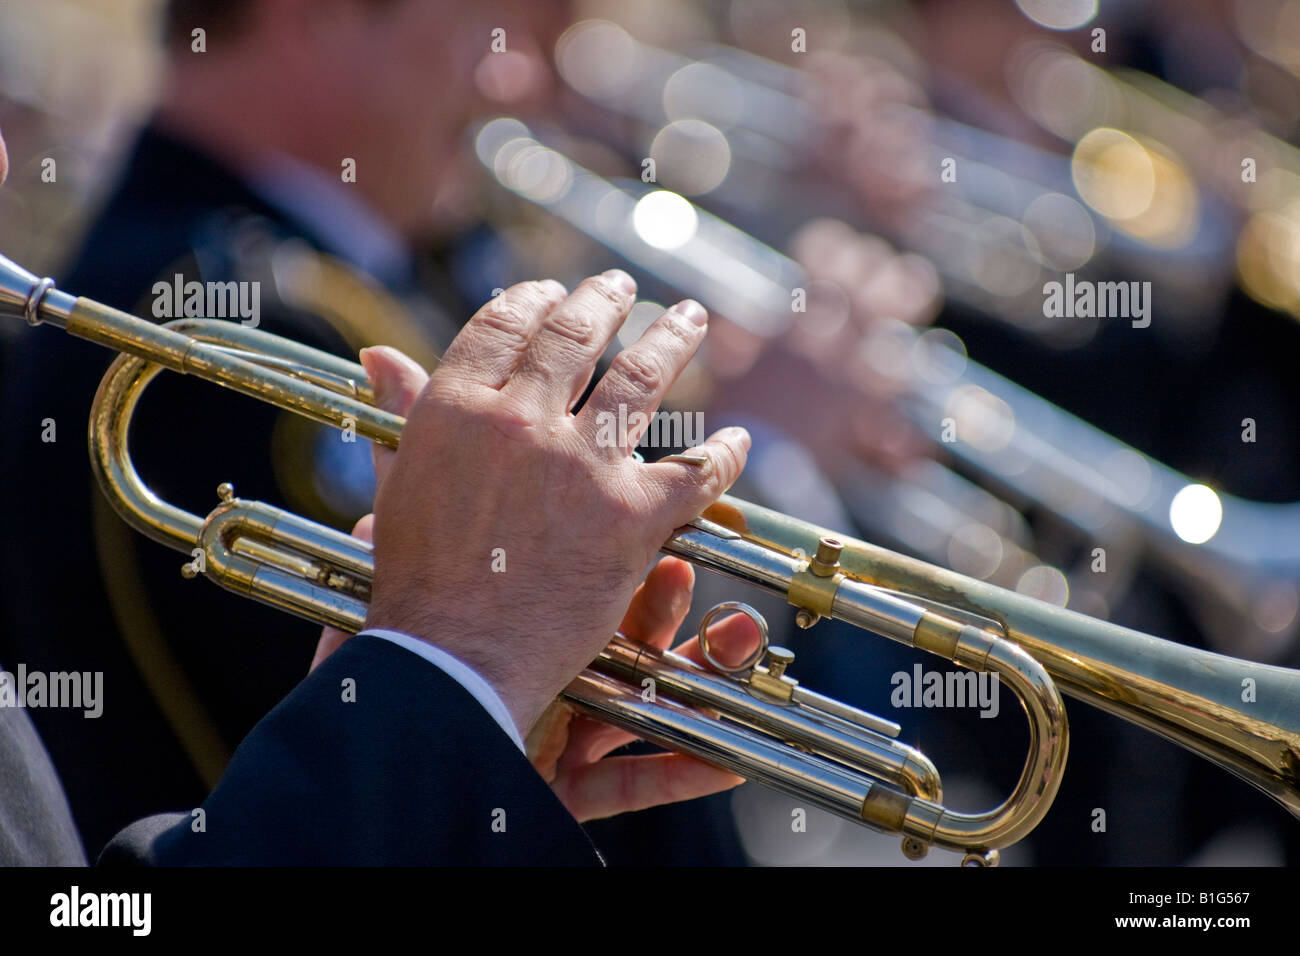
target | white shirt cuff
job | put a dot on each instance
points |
(462, 674)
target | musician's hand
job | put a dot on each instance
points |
(397, 379)
(507, 531)
(569, 750)
(878, 133)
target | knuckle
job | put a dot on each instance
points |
(626, 507)
(444, 390)
(570, 325)
(712, 484)
(678, 330)
(721, 471)
(507, 320)
(514, 406)
(639, 370)
(547, 290)
(512, 417)
(727, 464)
(604, 290)
(622, 509)
(623, 498)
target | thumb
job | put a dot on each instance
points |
(684, 485)
(397, 380)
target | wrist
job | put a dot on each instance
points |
(477, 651)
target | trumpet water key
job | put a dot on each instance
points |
(753, 719)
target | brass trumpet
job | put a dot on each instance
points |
(753, 720)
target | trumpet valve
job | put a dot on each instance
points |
(778, 659)
(769, 677)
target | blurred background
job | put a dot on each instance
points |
(869, 196)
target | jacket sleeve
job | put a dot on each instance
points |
(376, 758)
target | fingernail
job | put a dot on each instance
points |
(686, 459)
(741, 435)
(692, 310)
(622, 280)
(552, 287)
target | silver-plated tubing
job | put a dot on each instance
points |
(856, 743)
(742, 559)
(834, 710)
(734, 557)
(821, 782)
(34, 300)
(33, 311)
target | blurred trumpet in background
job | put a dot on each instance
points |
(1240, 560)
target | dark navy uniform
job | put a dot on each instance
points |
(188, 669)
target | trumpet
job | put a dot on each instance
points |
(752, 719)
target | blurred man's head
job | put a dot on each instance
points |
(390, 84)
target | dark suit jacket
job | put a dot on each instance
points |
(207, 648)
(412, 772)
